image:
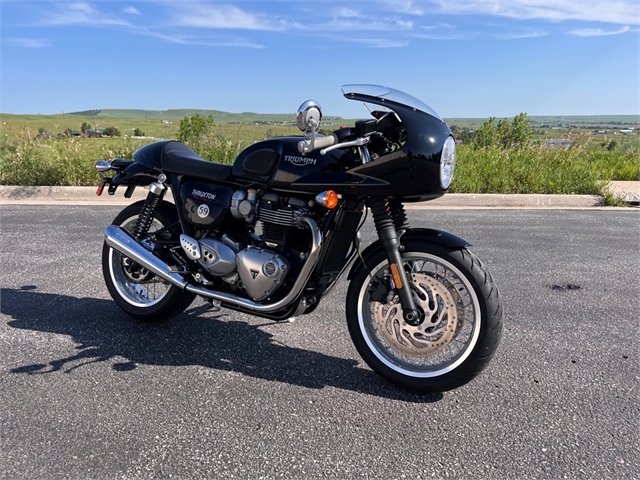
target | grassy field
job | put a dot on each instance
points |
(246, 127)
(583, 169)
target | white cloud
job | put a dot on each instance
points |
(131, 10)
(345, 12)
(524, 34)
(363, 24)
(380, 42)
(30, 42)
(226, 17)
(404, 6)
(443, 31)
(608, 11)
(81, 13)
(598, 32)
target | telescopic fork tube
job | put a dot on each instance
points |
(383, 219)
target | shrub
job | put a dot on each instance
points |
(201, 135)
(512, 134)
(112, 131)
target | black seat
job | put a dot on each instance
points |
(178, 158)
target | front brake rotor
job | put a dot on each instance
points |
(437, 327)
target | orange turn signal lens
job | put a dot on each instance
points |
(328, 199)
(332, 199)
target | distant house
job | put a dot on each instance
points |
(166, 121)
(626, 131)
(94, 133)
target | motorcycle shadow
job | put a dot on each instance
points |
(104, 333)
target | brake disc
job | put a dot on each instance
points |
(437, 327)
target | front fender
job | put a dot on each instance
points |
(426, 235)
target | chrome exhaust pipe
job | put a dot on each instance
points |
(123, 242)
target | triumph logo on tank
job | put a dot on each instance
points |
(299, 161)
(203, 195)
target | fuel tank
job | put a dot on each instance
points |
(277, 163)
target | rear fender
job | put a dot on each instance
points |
(135, 174)
(131, 174)
(425, 235)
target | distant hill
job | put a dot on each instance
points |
(178, 114)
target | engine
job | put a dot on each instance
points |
(262, 267)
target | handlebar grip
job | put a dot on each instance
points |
(324, 142)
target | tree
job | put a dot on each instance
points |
(85, 126)
(515, 133)
(138, 133)
(486, 135)
(112, 131)
(193, 129)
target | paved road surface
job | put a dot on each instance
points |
(86, 392)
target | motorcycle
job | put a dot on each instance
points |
(272, 234)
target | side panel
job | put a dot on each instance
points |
(204, 204)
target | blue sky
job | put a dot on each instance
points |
(465, 58)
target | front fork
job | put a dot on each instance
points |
(391, 221)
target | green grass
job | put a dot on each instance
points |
(585, 168)
(578, 170)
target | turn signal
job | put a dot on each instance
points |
(328, 199)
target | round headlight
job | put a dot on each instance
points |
(447, 162)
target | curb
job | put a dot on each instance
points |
(30, 195)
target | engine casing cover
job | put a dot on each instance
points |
(262, 272)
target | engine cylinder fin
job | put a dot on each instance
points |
(280, 217)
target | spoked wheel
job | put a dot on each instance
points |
(460, 318)
(135, 289)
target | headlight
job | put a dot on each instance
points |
(447, 162)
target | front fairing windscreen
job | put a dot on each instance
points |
(386, 97)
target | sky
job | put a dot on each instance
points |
(464, 58)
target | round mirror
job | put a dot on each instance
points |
(309, 116)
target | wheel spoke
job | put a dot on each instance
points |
(136, 284)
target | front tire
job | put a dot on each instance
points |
(461, 318)
(134, 289)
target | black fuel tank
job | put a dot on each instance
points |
(278, 163)
(204, 204)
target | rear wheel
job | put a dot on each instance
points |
(135, 289)
(460, 318)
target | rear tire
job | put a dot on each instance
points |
(460, 327)
(134, 289)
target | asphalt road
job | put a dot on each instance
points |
(86, 392)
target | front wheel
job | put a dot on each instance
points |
(135, 289)
(460, 318)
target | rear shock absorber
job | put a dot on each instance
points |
(150, 207)
(384, 222)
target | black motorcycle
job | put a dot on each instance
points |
(273, 233)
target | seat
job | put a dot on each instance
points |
(176, 157)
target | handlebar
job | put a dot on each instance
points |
(328, 143)
(306, 146)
